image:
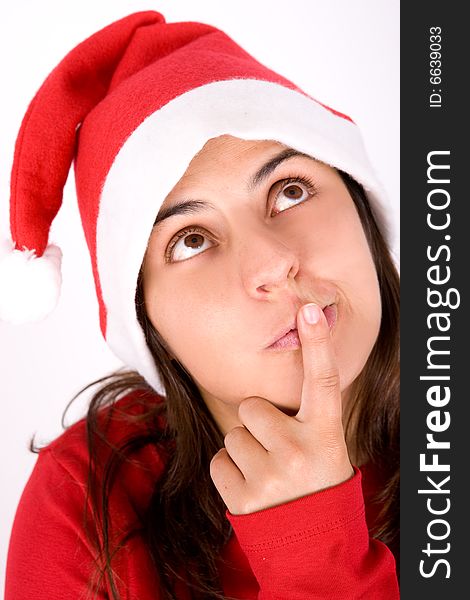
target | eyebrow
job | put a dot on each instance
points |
(195, 206)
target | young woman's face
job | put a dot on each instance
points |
(225, 276)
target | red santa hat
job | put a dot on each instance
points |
(131, 106)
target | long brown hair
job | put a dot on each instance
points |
(184, 526)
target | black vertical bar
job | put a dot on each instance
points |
(435, 270)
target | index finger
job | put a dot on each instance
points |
(321, 393)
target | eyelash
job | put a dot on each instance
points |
(306, 181)
(180, 235)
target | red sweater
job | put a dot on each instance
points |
(315, 547)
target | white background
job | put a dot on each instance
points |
(346, 54)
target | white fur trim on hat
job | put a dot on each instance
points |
(29, 285)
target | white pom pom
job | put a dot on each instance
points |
(29, 286)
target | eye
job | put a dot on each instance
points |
(294, 190)
(187, 243)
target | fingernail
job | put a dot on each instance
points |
(311, 313)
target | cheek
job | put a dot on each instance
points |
(205, 333)
(358, 333)
(192, 316)
(355, 342)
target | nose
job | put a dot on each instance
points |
(266, 262)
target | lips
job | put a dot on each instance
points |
(289, 338)
(331, 314)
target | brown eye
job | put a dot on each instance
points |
(293, 191)
(195, 240)
(186, 244)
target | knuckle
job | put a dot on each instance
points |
(333, 448)
(292, 447)
(319, 336)
(269, 487)
(294, 452)
(330, 431)
(329, 378)
(234, 435)
(217, 459)
(295, 456)
(248, 405)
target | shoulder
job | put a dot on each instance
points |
(132, 422)
(53, 539)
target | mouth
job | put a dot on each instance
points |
(289, 339)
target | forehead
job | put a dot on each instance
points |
(227, 153)
(230, 165)
(228, 147)
(227, 164)
(226, 159)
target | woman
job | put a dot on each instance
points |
(242, 274)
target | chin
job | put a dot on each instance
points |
(287, 400)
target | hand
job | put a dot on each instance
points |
(273, 458)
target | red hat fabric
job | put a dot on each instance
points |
(131, 106)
